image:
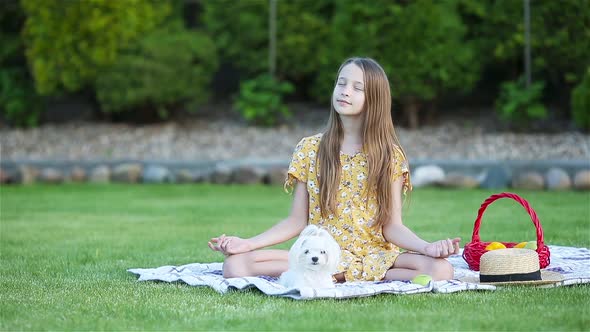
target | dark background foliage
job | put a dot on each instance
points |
(141, 59)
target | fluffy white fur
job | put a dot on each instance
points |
(313, 259)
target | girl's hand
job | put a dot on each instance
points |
(229, 245)
(442, 248)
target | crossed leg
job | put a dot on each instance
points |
(271, 262)
(408, 265)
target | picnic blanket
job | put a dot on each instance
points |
(572, 263)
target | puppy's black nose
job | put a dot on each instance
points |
(314, 259)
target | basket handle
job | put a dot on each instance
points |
(523, 202)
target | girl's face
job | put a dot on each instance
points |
(349, 93)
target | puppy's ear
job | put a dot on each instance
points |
(295, 250)
(310, 230)
(324, 233)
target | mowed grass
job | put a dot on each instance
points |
(65, 251)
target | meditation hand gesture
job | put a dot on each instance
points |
(229, 245)
(442, 248)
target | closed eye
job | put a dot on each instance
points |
(306, 252)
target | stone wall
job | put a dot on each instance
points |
(535, 175)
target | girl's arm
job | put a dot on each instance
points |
(284, 230)
(289, 227)
(400, 235)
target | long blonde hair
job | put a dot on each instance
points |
(379, 144)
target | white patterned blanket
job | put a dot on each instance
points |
(572, 263)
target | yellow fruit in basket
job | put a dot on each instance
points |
(527, 245)
(495, 245)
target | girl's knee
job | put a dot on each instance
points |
(441, 269)
(437, 268)
(236, 266)
(252, 263)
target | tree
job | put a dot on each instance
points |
(420, 45)
(240, 30)
(19, 104)
(163, 70)
(69, 42)
(560, 40)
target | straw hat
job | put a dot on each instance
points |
(512, 266)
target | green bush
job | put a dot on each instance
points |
(19, 104)
(581, 102)
(420, 45)
(70, 42)
(167, 68)
(260, 100)
(519, 105)
(240, 30)
(559, 37)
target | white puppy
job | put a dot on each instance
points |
(313, 259)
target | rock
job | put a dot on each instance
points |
(203, 175)
(221, 175)
(582, 180)
(457, 180)
(496, 177)
(100, 174)
(247, 175)
(427, 175)
(529, 180)
(191, 176)
(557, 179)
(185, 176)
(127, 173)
(277, 176)
(77, 174)
(51, 175)
(7, 176)
(157, 174)
(27, 174)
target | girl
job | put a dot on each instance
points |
(348, 180)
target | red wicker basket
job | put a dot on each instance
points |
(474, 249)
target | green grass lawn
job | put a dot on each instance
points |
(65, 251)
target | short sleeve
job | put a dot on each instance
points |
(298, 167)
(401, 168)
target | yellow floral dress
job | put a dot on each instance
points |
(366, 255)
